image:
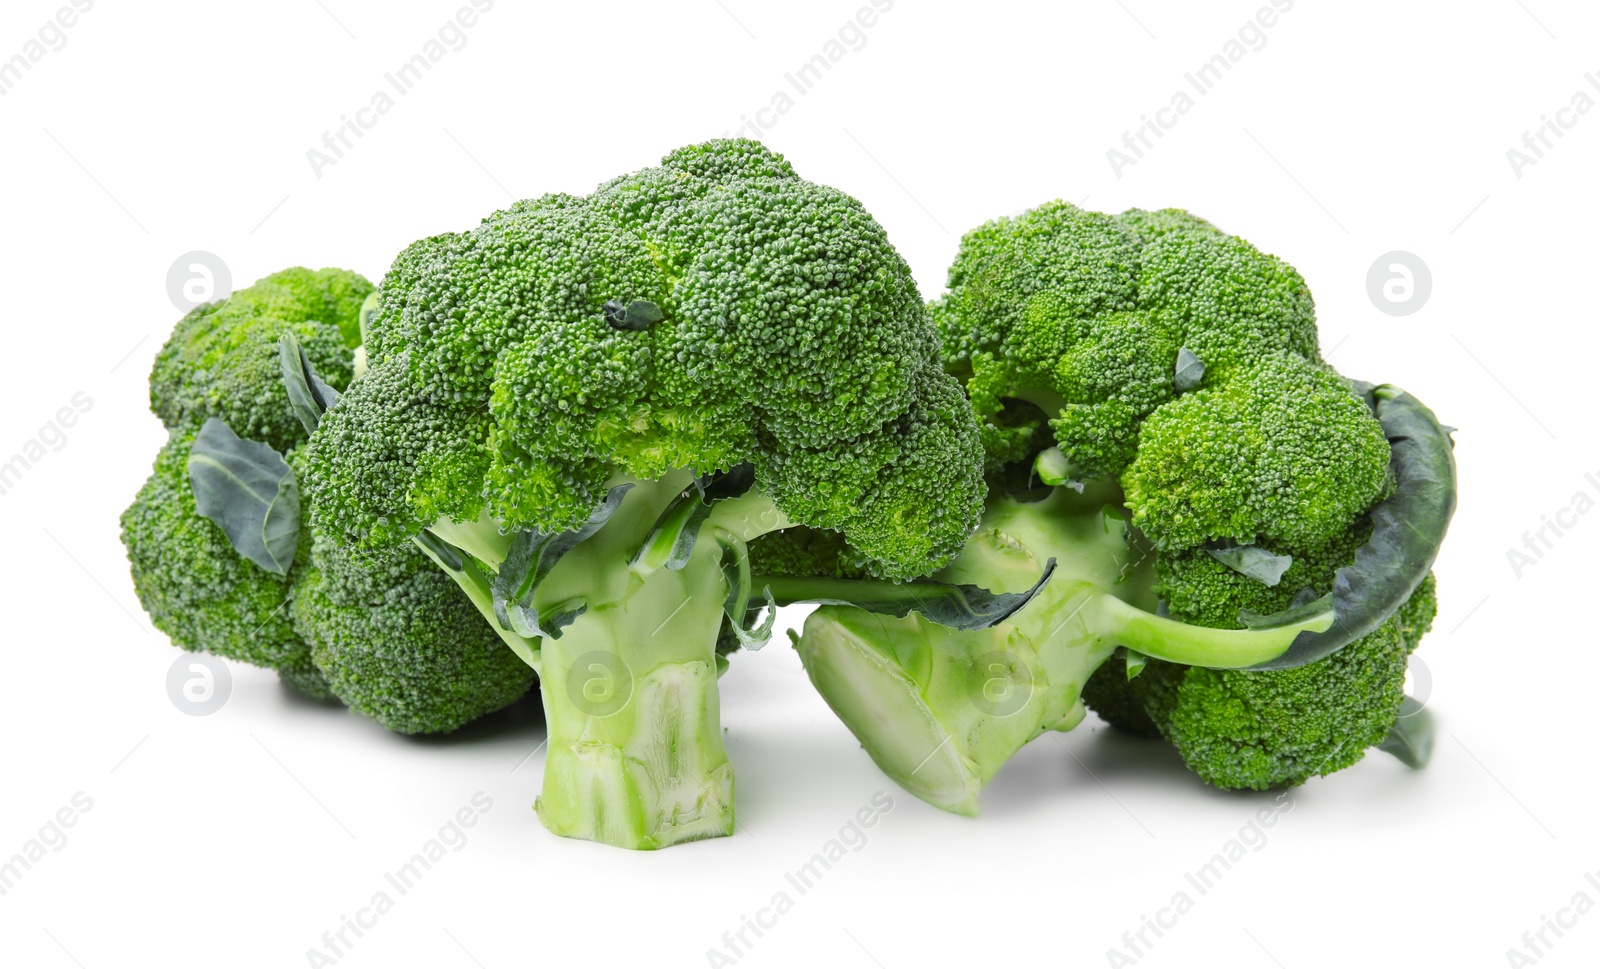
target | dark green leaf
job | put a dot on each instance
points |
(308, 394)
(1407, 529)
(249, 491)
(948, 604)
(533, 554)
(1253, 561)
(1411, 737)
(641, 314)
(1190, 370)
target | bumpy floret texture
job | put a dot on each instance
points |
(396, 640)
(196, 588)
(1265, 729)
(773, 322)
(1080, 319)
(1279, 728)
(222, 358)
(1285, 452)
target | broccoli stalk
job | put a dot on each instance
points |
(941, 710)
(628, 661)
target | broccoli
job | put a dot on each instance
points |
(392, 639)
(1248, 533)
(222, 361)
(198, 589)
(222, 358)
(398, 642)
(583, 410)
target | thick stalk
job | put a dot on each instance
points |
(630, 692)
(635, 756)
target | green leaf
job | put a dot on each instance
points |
(1189, 371)
(641, 314)
(308, 394)
(1253, 561)
(946, 603)
(671, 541)
(1411, 737)
(1136, 661)
(533, 554)
(736, 570)
(249, 491)
(1407, 528)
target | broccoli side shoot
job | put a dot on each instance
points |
(222, 358)
(1265, 530)
(197, 588)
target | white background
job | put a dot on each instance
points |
(1359, 128)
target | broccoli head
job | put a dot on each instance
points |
(561, 401)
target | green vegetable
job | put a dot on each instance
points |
(595, 442)
(222, 360)
(550, 400)
(1250, 530)
(224, 561)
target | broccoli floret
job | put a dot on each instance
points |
(1267, 728)
(222, 358)
(222, 361)
(396, 640)
(1084, 314)
(382, 631)
(307, 680)
(1249, 531)
(1283, 452)
(1278, 728)
(195, 585)
(584, 377)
